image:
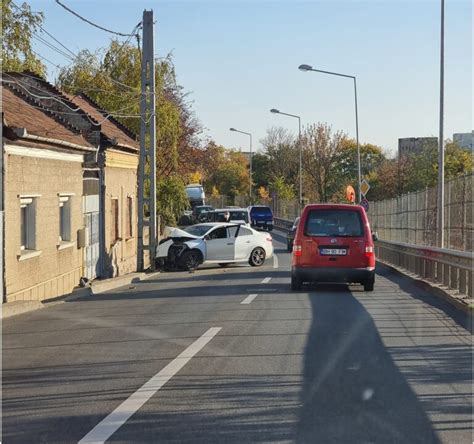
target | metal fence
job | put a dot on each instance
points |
(412, 218)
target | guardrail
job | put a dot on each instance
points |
(451, 268)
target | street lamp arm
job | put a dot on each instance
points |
(291, 115)
(332, 73)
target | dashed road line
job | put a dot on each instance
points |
(266, 280)
(249, 299)
(109, 425)
(275, 261)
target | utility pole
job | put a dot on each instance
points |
(147, 161)
(441, 138)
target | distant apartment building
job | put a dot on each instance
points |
(464, 140)
(415, 145)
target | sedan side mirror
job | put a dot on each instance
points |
(375, 236)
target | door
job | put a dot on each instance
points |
(244, 244)
(220, 244)
(92, 248)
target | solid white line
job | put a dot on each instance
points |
(109, 425)
(266, 280)
(275, 261)
(249, 299)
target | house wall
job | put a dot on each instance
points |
(54, 272)
(120, 178)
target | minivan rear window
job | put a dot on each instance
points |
(334, 223)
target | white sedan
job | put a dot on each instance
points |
(214, 243)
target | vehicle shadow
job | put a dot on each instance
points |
(353, 391)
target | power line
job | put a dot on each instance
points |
(53, 47)
(116, 113)
(88, 21)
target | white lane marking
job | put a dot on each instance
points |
(266, 280)
(249, 299)
(275, 261)
(109, 425)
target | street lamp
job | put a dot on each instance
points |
(310, 68)
(276, 111)
(440, 198)
(250, 158)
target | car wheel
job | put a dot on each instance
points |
(296, 283)
(190, 260)
(369, 285)
(257, 257)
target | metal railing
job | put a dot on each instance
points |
(451, 268)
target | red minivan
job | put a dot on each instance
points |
(333, 243)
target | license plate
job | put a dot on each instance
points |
(333, 251)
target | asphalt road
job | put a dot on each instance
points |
(181, 359)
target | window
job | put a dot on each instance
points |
(337, 223)
(114, 226)
(245, 232)
(28, 223)
(129, 217)
(219, 233)
(232, 232)
(64, 218)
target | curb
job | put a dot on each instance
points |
(10, 309)
(436, 289)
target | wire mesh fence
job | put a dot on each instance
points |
(412, 217)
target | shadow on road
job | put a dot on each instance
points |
(417, 291)
(353, 391)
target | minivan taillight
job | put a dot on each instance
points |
(297, 250)
(369, 251)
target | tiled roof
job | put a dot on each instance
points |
(19, 112)
(111, 128)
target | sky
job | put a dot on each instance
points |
(240, 59)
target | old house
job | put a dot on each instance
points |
(70, 188)
(43, 182)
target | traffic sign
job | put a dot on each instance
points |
(365, 204)
(364, 187)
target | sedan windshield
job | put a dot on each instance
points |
(198, 230)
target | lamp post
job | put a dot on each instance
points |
(440, 205)
(276, 111)
(310, 68)
(250, 159)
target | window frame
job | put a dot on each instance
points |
(28, 248)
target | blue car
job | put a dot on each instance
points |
(261, 217)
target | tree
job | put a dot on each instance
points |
(263, 193)
(232, 176)
(282, 189)
(321, 153)
(371, 158)
(19, 24)
(281, 150)
(171, 199)
(260, 169)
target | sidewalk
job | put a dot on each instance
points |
(97, 286)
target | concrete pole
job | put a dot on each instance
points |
(147, 145)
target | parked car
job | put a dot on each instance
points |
(290, 237)
(333, 243)
(237, 215)
(261, 217)
(199, 211)
(214, 243)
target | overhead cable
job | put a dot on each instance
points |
(91, 23)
